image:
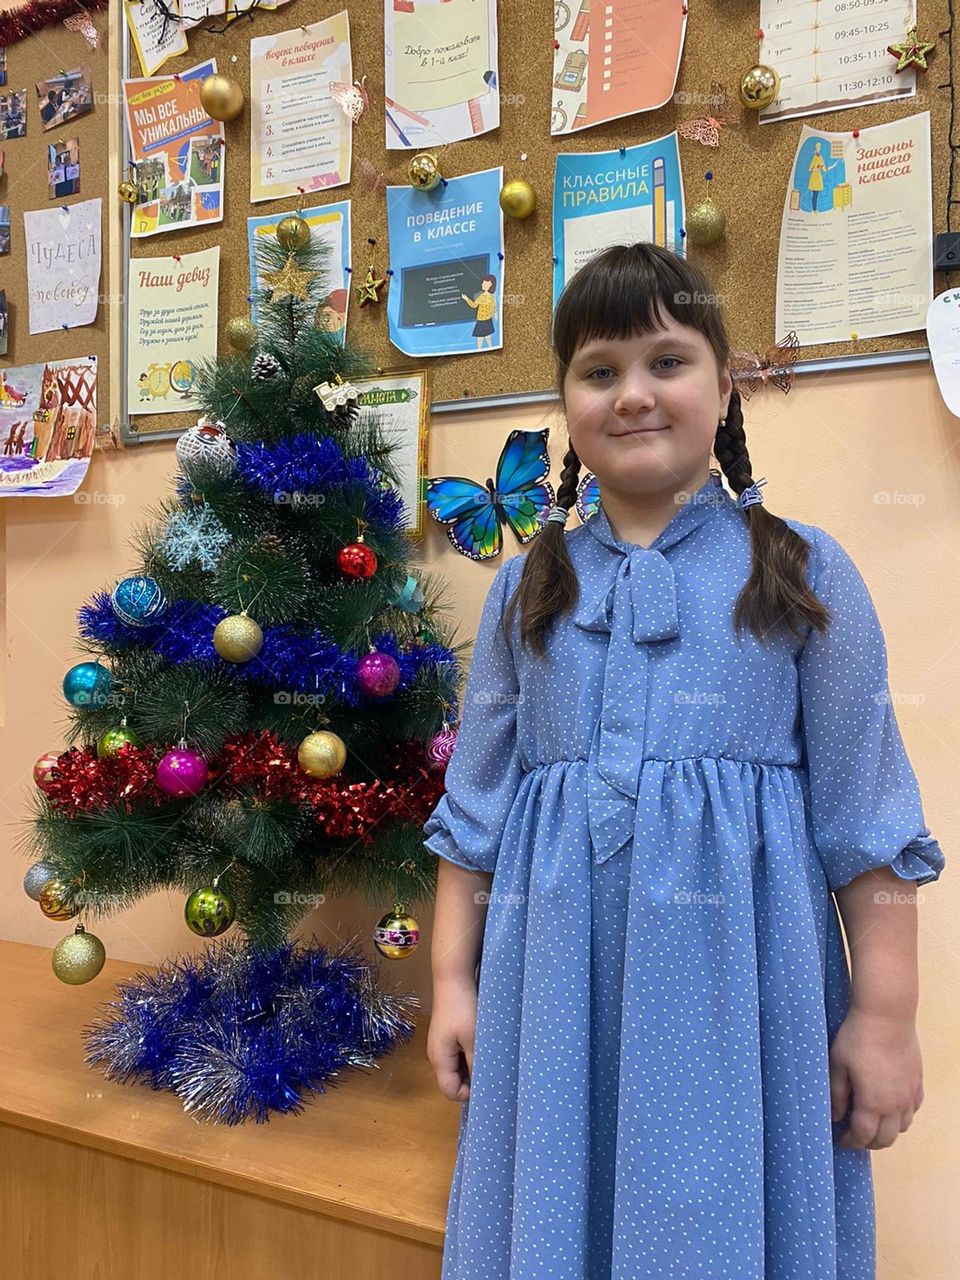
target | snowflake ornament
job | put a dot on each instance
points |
(193, 535)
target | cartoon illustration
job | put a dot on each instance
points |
(816, 168)
(485, 305)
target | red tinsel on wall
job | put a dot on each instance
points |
(18, 24)
(259, 765)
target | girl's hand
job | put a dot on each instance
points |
(450, 1038)
(876, 1058)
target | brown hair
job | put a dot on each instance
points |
(618, 294)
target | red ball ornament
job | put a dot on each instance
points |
(377, 674)
(357, 560)
(42, 770)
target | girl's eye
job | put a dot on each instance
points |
(603, 369)
(675, 359)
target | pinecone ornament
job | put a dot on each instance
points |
(264, 367)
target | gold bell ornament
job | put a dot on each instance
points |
(759, 87)
(397, 933)
(221, 97)
(518, 199)
(423, 171)
(322, 754)
(238, 638)
(79, 957)
(706, 221)
(293, 232)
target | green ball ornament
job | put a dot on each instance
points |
(113, 740)
(210, 911)
(78, 958)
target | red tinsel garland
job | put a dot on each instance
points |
(18, 24)
(261, 765)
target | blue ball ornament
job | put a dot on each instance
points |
(138, 601)
(88, 684)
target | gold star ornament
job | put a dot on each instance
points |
(911, 52)
(367, 292)
(290, 279)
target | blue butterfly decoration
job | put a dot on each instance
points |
(521, 497)
(588, 497)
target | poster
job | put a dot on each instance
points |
(613, 60)
(329, 223)
(601, 198)
(154, 36)
(63, 265)
(832, 54)
(856, 236)
(178, 152)
(171, 325)
(399, 402)
(440, 72)
(446, 253)
(48, 424)
(300, 136)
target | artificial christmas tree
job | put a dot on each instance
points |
(263, 715)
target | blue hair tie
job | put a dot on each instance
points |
(751, 495)
(559, 514)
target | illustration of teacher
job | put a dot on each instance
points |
(485, 305)
(817, 168)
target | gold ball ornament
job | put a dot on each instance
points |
(706, 223)
(78, 958)
(114, 739)
(238, 638)
(423, 172)
(55, 901)
(759, 87)
(518, 199)
(322, 754)
(210, 911)
(397, 933)
(221, 97)
(241, 333)
(293, 232)
(127, 191)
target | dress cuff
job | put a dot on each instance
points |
(921, 860)
(439, 839)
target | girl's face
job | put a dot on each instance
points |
(642, 412)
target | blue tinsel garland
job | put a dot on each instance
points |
(239, 1031)
(302, 662)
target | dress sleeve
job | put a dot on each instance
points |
(483, 774)
(864, 799)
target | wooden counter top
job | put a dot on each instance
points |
(376, 1149)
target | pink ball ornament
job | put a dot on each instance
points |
(440, 748)
(182, 772)
(42, 769)
(377, 674)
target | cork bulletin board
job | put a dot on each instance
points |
(751, 168)
(24, 187)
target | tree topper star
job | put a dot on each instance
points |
(289, 279)
(911, 52)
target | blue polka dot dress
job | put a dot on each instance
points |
(666, 810)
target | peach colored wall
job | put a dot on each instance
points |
(872, 457)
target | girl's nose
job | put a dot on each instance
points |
(634, 395)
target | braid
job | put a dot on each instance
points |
(776, 592)
(548, 585)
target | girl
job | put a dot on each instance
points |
(677, 743)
